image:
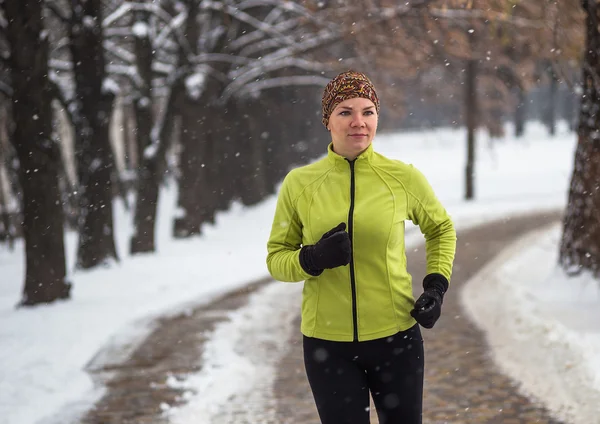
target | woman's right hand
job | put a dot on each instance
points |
(332, 250)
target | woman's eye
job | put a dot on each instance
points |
(369, 112)
(345, 113)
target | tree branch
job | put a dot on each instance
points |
(261, 66)
(285, 82)
(56, 11)
(241, 16)
(118, 51)
(459, 14)
(128, 71)
(257, 35)
(61, 65)
(175, 23)
(221, 57)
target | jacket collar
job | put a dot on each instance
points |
(334, 158)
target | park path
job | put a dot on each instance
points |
(462, 384)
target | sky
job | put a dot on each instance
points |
(45, 350)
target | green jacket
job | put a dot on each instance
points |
(372, 296)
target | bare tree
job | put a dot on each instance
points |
(39, 157)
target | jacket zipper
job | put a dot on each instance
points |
(350, 229)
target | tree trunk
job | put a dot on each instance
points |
(520, 112)
(39, 156)
(5, 221)
(551, 104)
(93, 150)
(569, 106)
(147, 186)
(198, 121)
(580, 244)
(194, 200)
(471, 122)
(254, 182)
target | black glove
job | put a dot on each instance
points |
(331, 251)
(428, 306)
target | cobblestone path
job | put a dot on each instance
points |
(462, 385)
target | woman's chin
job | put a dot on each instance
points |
(360, 144)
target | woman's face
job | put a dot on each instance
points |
(353, 124)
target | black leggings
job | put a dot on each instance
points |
(341, 375)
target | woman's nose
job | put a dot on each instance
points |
(358, 122)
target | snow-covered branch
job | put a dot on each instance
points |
(127, 7)
(162, 68)
(273, 15)
(284, 82)
(258, 47)
(459, 14)
(120, 52)
(60, 65)
(117, 14)
(221, 57)
(318, 40)
(62, 43)
(174, 24)
(254, 36)
(260, 67)
(118, 32)
(238, 14)
(57, 11)
(128, 71)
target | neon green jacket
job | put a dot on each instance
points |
(372, 296)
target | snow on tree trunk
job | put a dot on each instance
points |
(39, 156)
(93, 149)
(580, 244)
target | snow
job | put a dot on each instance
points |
(46, 350)
(242, 352)
(140, 29)
(194, 84)
(543, 328)
(109, 85)
(89, 21)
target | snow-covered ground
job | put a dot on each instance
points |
(544, 330)
(45, 350)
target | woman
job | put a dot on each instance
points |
(339, 227)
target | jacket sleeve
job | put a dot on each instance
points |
(426, 211)
(283, 247)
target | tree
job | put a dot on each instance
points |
(580, 243)
(93, 100)
(148, 175)
(38, 153)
